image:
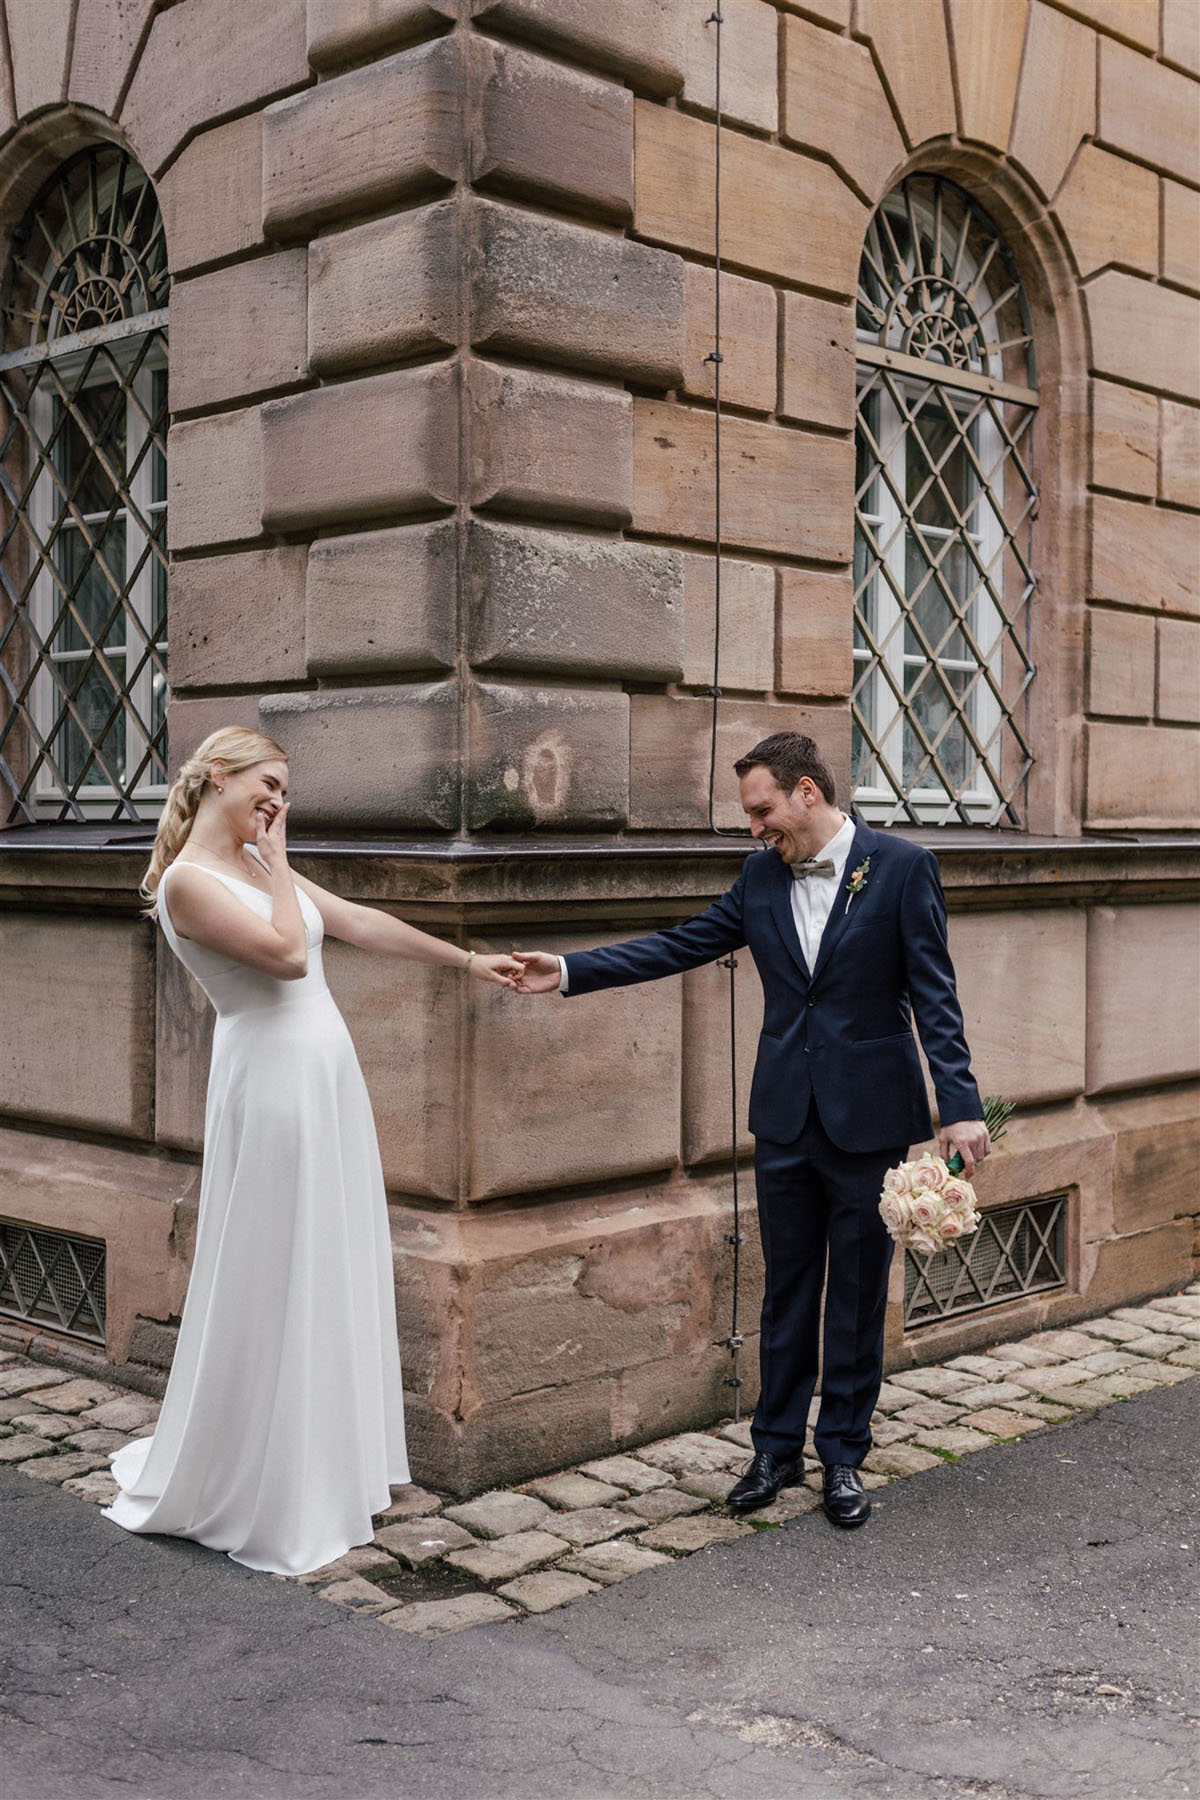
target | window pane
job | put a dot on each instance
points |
(931, 567)
(94, 698)
(930, 705)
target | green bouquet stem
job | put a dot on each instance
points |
(996, 1114)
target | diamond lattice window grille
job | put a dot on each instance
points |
(83, 551)
(945, 502)
(1016, 1250)
(50, 1278)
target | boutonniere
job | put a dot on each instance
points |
(858, 880)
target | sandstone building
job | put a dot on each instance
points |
(355, 380)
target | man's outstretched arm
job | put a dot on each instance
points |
(712, 933)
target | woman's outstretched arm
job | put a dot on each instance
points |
(372, 929)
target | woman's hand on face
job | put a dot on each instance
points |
(272, 842)
(501, 970)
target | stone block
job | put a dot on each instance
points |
(99, 1488)
(782, 215)
(835, 106)
(1133, 951)
(662, 1504)
(562, 293)
(107, 33)
(1157, 1155)
(409, 1502)
(987, 42)
(382, 600)
(23, 1446)
(638, 39)
(1107, 209)
(749, 63)
(548, 132)
(1135, 20)
(439, 1618)
(549, 759)
(374, 757)
(1145, 334)
(84, 1053)
(238, 331)
(418, 1542)
(362, 141)
(817, 372)
(784, 491)
(574, 1493)
(1179, 453)
(499, 1514)
(1124, 439)
(914, 54)
(367, 449)
(214, 479)
(42, 1424)
(73, 1396)
(685, 1535)
(129, 1413)
(1181, 35)
(363, 1562)
(227, 71)
(815, 641)
(530, 1056)
(712, 1484)
(1181, 234)
(238, 619)
(1021, 980)
(358, 1595)
(901, 1459)
(39, 38)
(749, 334)
(507, 1557)
(627, 1472)
(1120, 665)
(18, 1379)
(548, 1589)
(65, 1467)
(747, 623)
(1178, 671)
(706, 1123)
(1144, 556)
(670, 755)
(592, 1525)
(693, 1453)
(1142, 777)
(542, 600)
(1056, 99)
(613, 1562)
(383, 291)
(1148, 111)
(342, 31)
(403, 1018)
(211, 196)
(548, 445)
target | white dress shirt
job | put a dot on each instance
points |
(812, 899)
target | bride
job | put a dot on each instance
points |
(282, 1426)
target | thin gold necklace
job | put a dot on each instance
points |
(225, 859)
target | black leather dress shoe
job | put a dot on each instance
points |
(844, 1499)
(763, 1480)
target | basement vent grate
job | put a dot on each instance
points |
(1017, 1250)
(48, 1278)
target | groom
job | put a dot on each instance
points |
(847, 927)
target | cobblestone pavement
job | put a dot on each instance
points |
(436, 1566)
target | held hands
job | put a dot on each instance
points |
(970, 1138)
(501, 970)
(539, 972)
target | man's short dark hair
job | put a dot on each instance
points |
(789, 757)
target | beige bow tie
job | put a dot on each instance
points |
(802, 870)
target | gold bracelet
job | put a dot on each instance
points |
(470, 959)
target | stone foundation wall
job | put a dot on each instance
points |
(441, 516)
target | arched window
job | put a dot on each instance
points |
(83, 557)
(944, 508)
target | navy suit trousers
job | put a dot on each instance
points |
(818, 1207)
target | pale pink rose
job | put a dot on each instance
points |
(899, 1181)
(958, 1194)
(924, 1242)
(896, 1212)
(930, 1171)
(926, 1208)
(953, 1225)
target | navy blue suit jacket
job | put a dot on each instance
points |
(839, 1034)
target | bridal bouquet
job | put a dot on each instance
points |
(926, 1204)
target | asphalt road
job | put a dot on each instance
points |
(1018, 1625)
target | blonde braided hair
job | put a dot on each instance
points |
(235, 748)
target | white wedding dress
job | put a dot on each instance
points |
(282, 1426)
